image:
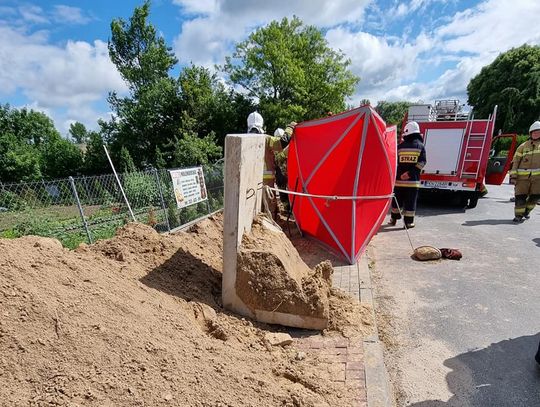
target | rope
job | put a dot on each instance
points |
(339, 198)
(331, 197)
(406, 228)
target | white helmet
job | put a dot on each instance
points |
(255, 121)
(279, 132)
(411, 128)
(534, 126)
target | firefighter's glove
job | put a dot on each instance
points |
(405, 176)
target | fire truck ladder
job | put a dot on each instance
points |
(469, 149)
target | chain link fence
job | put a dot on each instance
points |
(86, 209)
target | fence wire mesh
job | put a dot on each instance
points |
(50, 208)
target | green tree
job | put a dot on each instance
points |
(159, 109)
(79, 133)
(19, 161)
(291, 71)
(191, 150)
(151, 115)
(511, 81)
(208, 106)
(31, 147)
(95, 160)
(393, 112)
(126, 162)
(160, 159)
(60, 158)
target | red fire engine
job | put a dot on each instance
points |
(460, 157)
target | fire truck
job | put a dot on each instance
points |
(461, 151)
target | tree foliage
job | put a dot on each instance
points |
(159, 109)
(291, 71)
(78, 132)
(393, 112)
(208, 106)
(95, 160)
(512, 82)
(60, 158)
(126, 162)
(31, 148)
(193, 151)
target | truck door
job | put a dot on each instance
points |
(500, 158)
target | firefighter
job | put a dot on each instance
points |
(255, 124)
(281, 163)
(525, 174)
(411, 159)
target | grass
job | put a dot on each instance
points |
(64, 222)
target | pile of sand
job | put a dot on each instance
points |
(137, 320)
(271, 275)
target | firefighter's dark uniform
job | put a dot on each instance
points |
(411, 157)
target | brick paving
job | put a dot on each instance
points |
(343, 358)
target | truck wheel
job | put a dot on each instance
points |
(473, 201)
(463, 200)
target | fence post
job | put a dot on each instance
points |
(81, 212)
(119, 183)
(156, 173)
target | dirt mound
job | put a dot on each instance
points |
(137, 320)
(348, 317)
(271, 275)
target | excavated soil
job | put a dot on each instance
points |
(271, 275)
(137, 321)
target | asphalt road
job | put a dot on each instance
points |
(463, 333)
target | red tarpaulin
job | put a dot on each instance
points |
(352, 155)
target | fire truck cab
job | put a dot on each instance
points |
(458, 150)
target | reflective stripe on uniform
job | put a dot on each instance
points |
(526, 153)
(528, 172)
(268, 174)
(408, 184)
(409, 213)
(395, 210)
(409, 150)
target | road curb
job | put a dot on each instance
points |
(379, 392)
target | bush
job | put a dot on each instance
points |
(504, 144)
(11, 201)
(141, 190)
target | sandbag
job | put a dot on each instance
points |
(424, 253)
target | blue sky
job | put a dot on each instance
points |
(53, 54)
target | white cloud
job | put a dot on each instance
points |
(33, 14)
(72, 76)
(381, 63)
(492, 26)
(207, 38)
(71, 15)
(406, 8)
(473, 38)
(198, 6)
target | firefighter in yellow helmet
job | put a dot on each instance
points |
(525, 174)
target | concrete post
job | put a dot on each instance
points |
(244, 155)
